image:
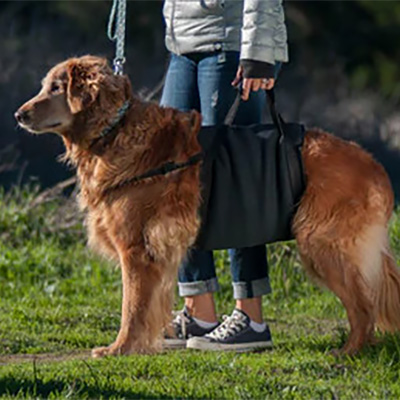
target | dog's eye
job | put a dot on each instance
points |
(55, 87)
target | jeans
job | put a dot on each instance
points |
(202, 81)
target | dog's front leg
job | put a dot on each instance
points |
(139, 332)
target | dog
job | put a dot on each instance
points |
(113, 139)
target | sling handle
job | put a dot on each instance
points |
(276, 117)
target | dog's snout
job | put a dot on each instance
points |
(22, 116)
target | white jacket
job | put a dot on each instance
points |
(255, 28)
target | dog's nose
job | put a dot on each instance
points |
(22, 116)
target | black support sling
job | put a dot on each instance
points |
(252, 181)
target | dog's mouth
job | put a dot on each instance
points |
(35, 129)
(54, 125)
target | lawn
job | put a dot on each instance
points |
(58, 300)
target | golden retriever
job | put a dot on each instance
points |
(341, 224)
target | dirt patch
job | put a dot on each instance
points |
(44, 357)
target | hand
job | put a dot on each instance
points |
(253, 84)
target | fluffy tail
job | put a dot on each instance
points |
(388, 306)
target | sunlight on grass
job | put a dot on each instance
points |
(57, 297)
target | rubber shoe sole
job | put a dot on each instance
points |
(174, 344)
(202, 343)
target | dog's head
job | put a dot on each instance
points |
(73, 91)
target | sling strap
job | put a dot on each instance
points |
(164, 169)
(276, 117)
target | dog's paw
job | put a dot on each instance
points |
(346, 350)
(111, 350)
(115, 350)
(336, 353)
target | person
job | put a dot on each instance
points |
(214, 45)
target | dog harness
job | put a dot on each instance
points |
(166, 168)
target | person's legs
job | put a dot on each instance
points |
(180, 86)
(250, 279)
(197, 282)
(249, 266)
(196, 278)
(215, 73)
(244, 330)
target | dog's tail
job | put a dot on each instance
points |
(388, 296)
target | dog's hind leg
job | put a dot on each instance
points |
(388, 318)
(353, 264)
(375, 280)
(358, 301)
(341, 227)
(350, 257)
(331, 266)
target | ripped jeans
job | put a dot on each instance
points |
(202, 81)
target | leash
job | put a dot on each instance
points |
(116, 33)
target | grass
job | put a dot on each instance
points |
(57, 300)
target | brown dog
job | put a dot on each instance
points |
(148, 225)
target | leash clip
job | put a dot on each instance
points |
(119, 66)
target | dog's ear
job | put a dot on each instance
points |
(84, 77)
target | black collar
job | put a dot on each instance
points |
(113, 124)
(164, 169)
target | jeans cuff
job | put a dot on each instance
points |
(248, 290)
(199, 287)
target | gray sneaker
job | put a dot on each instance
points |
(235, 333)
(184, 327)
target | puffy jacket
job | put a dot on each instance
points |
(255, 28)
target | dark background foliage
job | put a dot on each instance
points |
(343, 73)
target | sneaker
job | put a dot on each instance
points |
(235, 333)
(184, 326)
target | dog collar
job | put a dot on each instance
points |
(113, 124)
(120, 114)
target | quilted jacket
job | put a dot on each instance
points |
(255, 28)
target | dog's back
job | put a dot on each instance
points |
(346, 173)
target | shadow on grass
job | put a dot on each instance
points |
(387, 347)
(11, 386)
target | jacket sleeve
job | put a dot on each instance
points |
(264, 36)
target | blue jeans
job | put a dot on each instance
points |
(202, 81)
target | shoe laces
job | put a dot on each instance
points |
(181, 319)
(231, 325)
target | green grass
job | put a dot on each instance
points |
(57, 300)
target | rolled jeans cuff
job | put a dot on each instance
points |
(200, 287)
(248, 290)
